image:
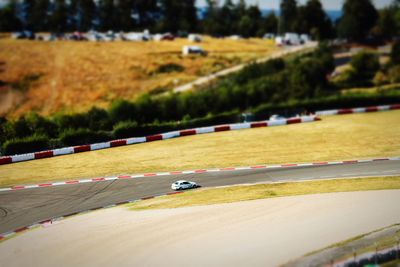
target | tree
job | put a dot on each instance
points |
(227, 18)
(288, 16)
(188, 16)
(39, 17)
(244, 26)
(124, 20)
(8, 18)
(145, 11)
(386, 26)
(254, 14)
(171, 13)
(240, 8)
(58, 20)
(211, 21)
(318, 23)
(26, 13)
(359, 16)
(81, 14)
(395, 54)
(107, 15)
(269, 24)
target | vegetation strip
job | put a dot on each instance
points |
(182, 133)
(236, 193)
(100, 179)
(357, 110)
(151, 138)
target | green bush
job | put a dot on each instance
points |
(125, 129)
(26, 145)
(122, 110)
(394, 74)
(74, 137)
(41, 125)
(71, 121)
(365, 65)
(395, 54)
(98, 119)
(325, 103)
(19, 128)
(257, 70)
(170, 67)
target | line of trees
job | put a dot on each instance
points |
(360, 18)
(163, 15)
(104, 15)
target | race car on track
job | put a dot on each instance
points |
(183, 184)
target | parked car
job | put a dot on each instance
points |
(167, 37)
(183, 184)
(195, 38)
(276, 117)
(24, 35)
(196, 50)
(269, 36)
(78, 36)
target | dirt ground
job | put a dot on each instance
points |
(253, 233)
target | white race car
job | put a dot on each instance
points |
(183, 184)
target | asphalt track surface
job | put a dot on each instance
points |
(25, 207)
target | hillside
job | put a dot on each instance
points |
(49, 77)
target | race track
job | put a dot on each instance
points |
(25, 207)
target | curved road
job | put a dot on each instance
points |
(25, 207)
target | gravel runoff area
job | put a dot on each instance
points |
(267, 232)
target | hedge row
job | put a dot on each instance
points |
(126, 129)
(82, 136)
(26, 145)
(326, 103)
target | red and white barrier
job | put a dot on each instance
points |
(151, 138)
(124, 177)
(357, 110)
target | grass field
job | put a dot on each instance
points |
(337, 137)
(262, 191)
(71, 76)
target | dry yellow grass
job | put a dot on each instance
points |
(76, 75)
(387, 87)
(337, 137)
(262, 191)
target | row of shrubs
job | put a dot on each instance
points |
(126, 129)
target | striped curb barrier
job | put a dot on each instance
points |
(151, 138)
(357, 110)
(45, 223)
(126, 177)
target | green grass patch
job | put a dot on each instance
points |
(263, 191)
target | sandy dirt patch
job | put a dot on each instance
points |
(266, 232)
